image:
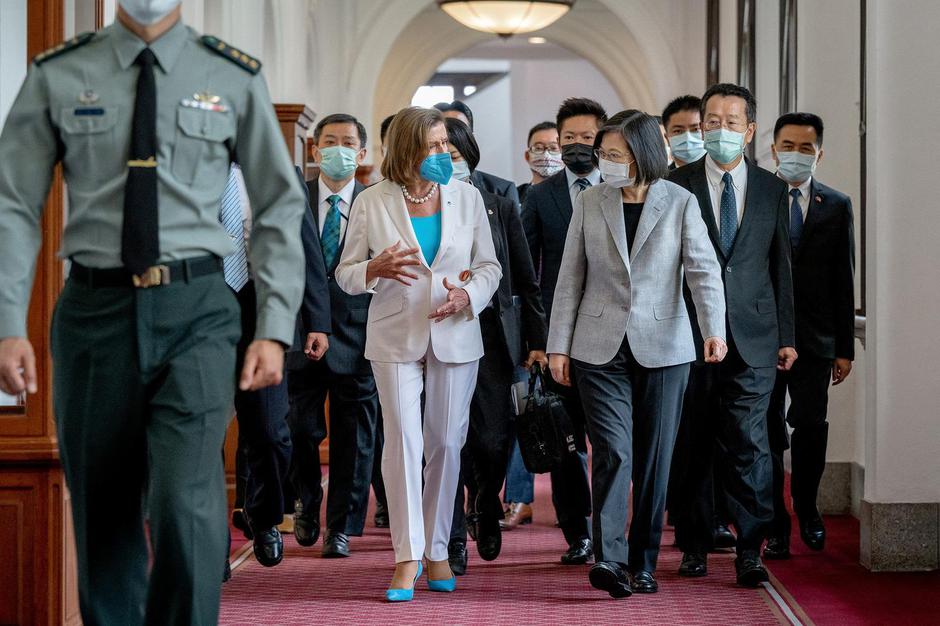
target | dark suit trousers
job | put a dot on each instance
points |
(264, 444)
(571, 491)
(490, 434)
(808, 385)
(632, 416)
(728, 428)
(354, 408)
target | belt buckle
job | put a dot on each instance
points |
(152, 277)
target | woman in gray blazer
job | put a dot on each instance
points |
(621, 326)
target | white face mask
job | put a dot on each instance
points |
(615, 174)
(147, 12)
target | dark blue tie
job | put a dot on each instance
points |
(796, 219)
(729, 216)
(582, 183)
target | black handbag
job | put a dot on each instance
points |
(543, 428)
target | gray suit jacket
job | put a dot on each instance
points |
(604, 293)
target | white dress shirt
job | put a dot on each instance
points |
(804, 188)
(574, 189)
(716, 187)
(345, 194)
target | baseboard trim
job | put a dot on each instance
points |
(841, 488)
(899, 537)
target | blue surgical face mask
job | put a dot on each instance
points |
(687, 147)
(724, 145)
(437, 168)
(461, 170)
(338, 162)
(796, 167)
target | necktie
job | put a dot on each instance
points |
(140, 232)
(729, 216)
(582, 183)
(796, 218)
(235, 265)
(329, 240)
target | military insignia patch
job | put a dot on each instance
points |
(239, 58)
(66, 46)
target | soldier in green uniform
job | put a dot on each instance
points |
(146, 117)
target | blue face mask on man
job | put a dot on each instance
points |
(687, 147)
(796, 167)
(338, 162)
(437, 168)
(724, 145)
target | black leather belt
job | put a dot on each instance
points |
(163, 274)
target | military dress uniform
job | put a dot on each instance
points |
(144, 360)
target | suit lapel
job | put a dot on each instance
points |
(398, 213)
(699, 183)
(649, 217)
(562, 196)
(612, 208)
(751, 209)
(342, 242)
(447, 221)
(815, 207)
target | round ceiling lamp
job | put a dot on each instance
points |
(506, 17)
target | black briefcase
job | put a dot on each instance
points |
(543, 427)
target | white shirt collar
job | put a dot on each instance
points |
(345, 194)
(803, 187)
(715, 173)
(594, 177)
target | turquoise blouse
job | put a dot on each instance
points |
(428, 231)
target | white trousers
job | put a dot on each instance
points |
(420, 521)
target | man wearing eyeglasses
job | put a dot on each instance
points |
(746, 211)
(543, 155)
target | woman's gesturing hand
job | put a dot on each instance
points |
(392, 264)
(457, 300)
(560, 365)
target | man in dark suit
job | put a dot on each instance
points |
(745, 209)
(542, 154)
(822, 236)
(481, 180)
(344, 373)
(514, 332)
(545, 217)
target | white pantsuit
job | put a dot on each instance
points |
(411, 353)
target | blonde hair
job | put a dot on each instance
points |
(407, 143)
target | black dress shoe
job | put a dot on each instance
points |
(335, 545)
(724, 538)
(813, 533)
(644, 582)
(750, 570)
(268, 547)
(610, 577)
(694, 565)
(306, 530)
(489, 539)
(457, 556)
(777, 549)
(580, 551)
(381, 515)
(240, 521)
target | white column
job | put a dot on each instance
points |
(12, 52)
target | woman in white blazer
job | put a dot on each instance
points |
(421, 243)
(620, 322)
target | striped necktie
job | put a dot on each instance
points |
(728, 229)
(235, 265)
(582, 183)
(329, 240)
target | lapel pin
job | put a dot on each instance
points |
(206, 96)
(818, 198)
(88, 97)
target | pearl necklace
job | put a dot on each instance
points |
(414, 200)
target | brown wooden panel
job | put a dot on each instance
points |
(295, 121)
(13, 505)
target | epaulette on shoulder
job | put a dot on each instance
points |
(239, 58)
(66, 46)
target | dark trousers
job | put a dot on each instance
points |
(142, 387)
(264, 444)
(354, 411)
(808, 385)
(490, 434)
(728, 428)
(571, 491)
(632, 416)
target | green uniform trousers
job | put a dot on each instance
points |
(144, 381)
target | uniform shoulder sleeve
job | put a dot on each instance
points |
(66, 46)
(239, 58)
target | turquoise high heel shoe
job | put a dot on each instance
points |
(448, 585)
(404, 595)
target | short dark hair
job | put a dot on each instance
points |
(580, 106)
(619, 118)
(383, 129)
(461, 137)
(682, 103)
(539, 128)
(340, 118)
(730, 89)
(642, 134)
(456, 105)
(801, 119)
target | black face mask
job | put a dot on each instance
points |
(579, 157)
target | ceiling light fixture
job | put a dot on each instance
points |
(506, 17)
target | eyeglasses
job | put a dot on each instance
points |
(539, 149)
(613, 156)
(739, 127)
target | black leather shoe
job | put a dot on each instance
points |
(269, 547)
(381, 515)
(777, 549)
(813, 533)
(240, 521)
(750, 570)
(581, 551)
(489, 539)
(644, 582)
(457, 556)
(610, 577)
(724, 538)
(306, 530)
(335, 545)
(694, 565)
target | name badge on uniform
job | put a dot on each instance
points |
(88, 111)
